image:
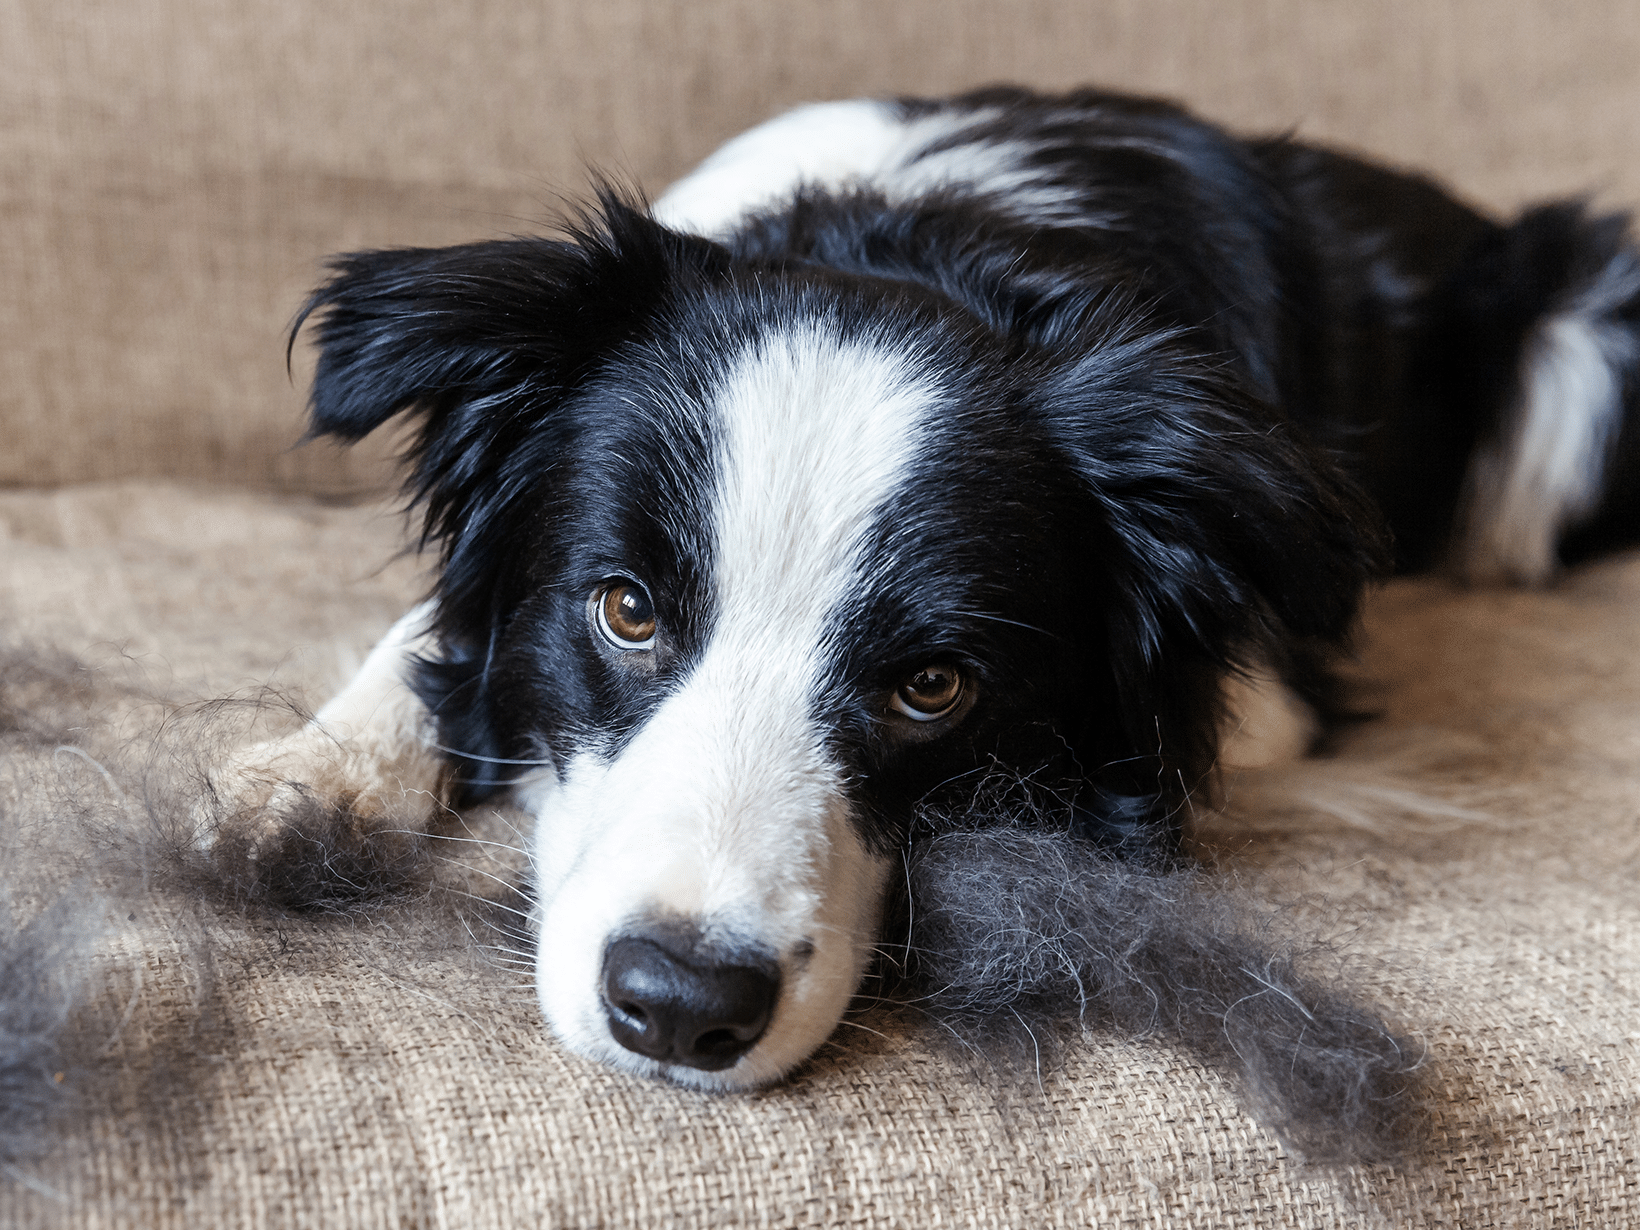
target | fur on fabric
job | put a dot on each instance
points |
(50, 916)
(45, 967)
(1020, 937)
(104, 801)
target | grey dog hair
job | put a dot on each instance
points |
(1020, 938)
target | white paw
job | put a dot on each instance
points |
(1265, 723)
(312, 819)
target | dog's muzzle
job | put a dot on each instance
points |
(683, 1003)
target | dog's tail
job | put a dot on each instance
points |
(1544, 315)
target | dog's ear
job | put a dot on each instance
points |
(425, 329)
(482, 345)
(1222, 539)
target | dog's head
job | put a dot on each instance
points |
(752, 558)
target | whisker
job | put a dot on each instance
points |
(496, 905)
(456, 751)
(492, 904)
(511, 962)
(472, 841)
(868, 1029)
(501, 954)
(508, 956)
(505, 883)
(514, 952)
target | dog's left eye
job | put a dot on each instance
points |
(929, 693)
(625, 615)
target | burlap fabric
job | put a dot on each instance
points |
(171, 174)
(369, 1072)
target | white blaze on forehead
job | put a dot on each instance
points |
(816, 433)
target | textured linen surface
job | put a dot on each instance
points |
(372, 1073)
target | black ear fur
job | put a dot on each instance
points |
(1227, 540)
(409, 327)
(485, 343)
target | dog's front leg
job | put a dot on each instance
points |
(335, 807)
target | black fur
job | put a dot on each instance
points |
(1228, 407)
(1184, 434)
(1098, 448)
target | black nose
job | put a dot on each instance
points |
(686, 1007)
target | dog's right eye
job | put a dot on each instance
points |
(625, 615)
(929, 694)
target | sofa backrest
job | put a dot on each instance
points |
(173, 172)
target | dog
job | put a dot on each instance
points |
(903, 445)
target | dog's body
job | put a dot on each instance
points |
(907, 443)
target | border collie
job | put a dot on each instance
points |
(903, 445)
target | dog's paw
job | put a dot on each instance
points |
(312, 821)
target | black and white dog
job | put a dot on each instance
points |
(903, 443)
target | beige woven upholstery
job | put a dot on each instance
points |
(171, 174)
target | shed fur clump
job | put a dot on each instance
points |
(51, 912)
(1018, 934)
(1019, 937)
(105, 807)
(45, 976)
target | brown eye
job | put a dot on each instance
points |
(929, 693)
(625, 615)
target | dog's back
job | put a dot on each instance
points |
(1473, 375)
